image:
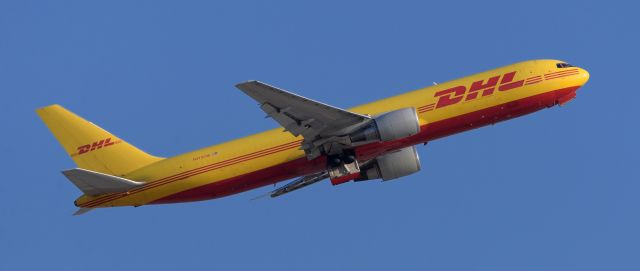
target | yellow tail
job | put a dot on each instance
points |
(90, 146)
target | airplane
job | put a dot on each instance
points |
(316, 141)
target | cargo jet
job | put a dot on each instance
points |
(316, 141)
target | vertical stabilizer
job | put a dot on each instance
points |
(90, 146)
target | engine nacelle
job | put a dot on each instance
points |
(392, 125)
(392, 165)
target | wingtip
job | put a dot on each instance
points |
(82, 211)
(238, 85)
(42, 109)
(68, 170)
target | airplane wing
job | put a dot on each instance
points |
(318, 123)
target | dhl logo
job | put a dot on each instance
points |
(96, 145)
(477, 89)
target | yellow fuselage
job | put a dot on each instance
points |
(274, 155)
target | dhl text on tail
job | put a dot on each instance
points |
(317, 141)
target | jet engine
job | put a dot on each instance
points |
(397, 124)
(392, 165)
(388, 126)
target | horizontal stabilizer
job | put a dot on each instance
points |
(82, 211)
(95, 183)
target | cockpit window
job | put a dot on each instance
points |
(564, 65)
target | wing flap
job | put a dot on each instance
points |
(95, 183)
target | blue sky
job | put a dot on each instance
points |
(556, 190)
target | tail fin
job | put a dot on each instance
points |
(90, 146)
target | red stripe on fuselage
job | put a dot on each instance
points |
(560, 72)
(426, 106)
(564, 72)
(428, 132)
(193, 172)
(559, 76)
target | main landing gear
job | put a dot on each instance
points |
(342, 168)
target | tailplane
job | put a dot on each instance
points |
(91, 147)
(95, 183)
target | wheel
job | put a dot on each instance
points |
(348, 159)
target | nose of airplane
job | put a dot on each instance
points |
(584, 76)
